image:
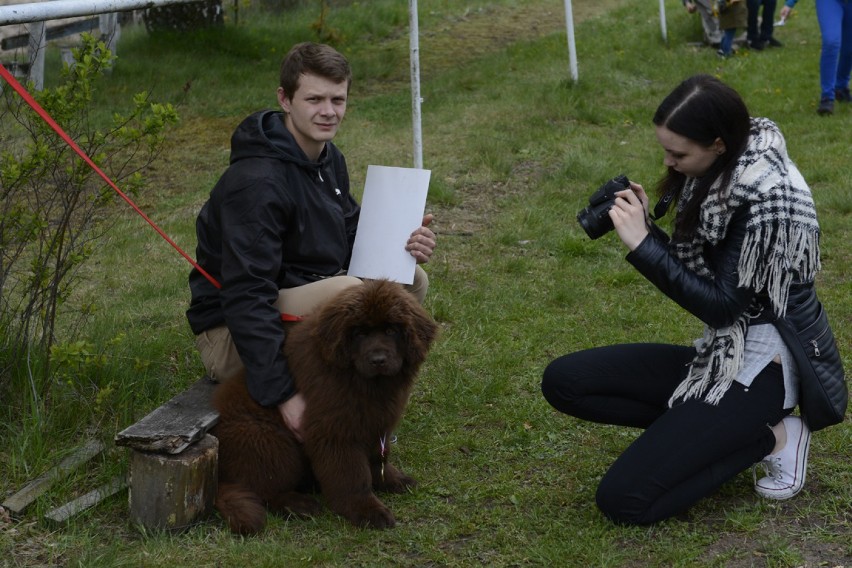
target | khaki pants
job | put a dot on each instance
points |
(216, 347)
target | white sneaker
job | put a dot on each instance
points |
(785, 470)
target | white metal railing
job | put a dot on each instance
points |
(38, 13)
(57, 9)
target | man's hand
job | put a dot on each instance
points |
(291, 411)
(421, 243)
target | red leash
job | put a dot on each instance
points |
(47, 118)
(10, 79)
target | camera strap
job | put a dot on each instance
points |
(662, 205)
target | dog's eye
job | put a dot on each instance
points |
(391, 331)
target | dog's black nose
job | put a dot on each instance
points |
(378, 359)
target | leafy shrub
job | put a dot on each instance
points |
(54, 208)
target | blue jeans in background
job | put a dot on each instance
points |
(726, 47)
(835, 62)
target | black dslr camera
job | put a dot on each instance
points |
(595, 218)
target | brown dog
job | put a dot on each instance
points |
(354, 361)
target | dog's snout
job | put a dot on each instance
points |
(379, 358)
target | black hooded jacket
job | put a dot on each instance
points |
(274, 220)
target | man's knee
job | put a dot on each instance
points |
(218, 353)
(343, 282)
(420, 286)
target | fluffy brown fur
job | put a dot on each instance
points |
(354, 361)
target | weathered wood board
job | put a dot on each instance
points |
(90, 499)
(175, 425)
(31, 491)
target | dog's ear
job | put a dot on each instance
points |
(332, 326)
(420, 328)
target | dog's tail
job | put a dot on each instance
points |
(242, 509)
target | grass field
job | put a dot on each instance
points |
(515, 148)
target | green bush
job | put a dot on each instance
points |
(54, 209)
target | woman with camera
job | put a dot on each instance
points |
(745, 234)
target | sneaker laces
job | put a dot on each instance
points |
(771, 466)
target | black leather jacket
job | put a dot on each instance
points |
(717, 301)
(275, 219)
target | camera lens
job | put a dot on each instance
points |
(595, 217)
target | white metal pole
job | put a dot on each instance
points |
(58, 9)
(663, 21)
(414, 41)
(572, 47)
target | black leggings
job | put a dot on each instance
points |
(686, 452)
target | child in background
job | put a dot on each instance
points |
(733, 14)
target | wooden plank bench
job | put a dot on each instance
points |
(173, 461)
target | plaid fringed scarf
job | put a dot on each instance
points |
(782, 245)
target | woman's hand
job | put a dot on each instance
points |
(421, 243)
(643, 198)
(629, 215)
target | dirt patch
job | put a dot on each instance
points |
(477, 32)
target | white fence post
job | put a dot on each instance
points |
(110, 31)
(414, 46)
(37, 47)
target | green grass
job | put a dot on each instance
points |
(515, 148)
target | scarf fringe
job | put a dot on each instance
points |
(713, 370)
(791, 257)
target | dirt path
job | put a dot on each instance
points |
(478, 32)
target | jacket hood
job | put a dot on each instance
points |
(263, 135)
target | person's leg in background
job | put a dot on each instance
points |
(830, 18)
(844, 62)
(752, 32)
(726, 48)
(767, 24)
(709, 22)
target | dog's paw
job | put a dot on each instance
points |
(399, 485)
(373, 518)
(395, 481)
(294, 503)
(302, 505)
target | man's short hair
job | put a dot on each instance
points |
(317, 59)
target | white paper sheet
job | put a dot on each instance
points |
(392, 207)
